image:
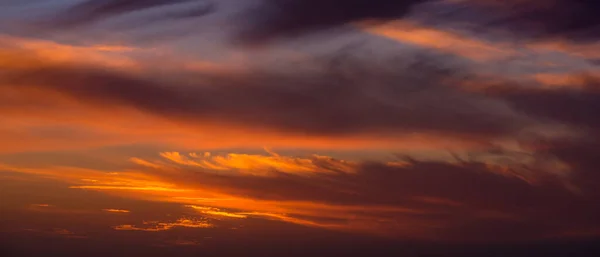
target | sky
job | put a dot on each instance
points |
(299, 127)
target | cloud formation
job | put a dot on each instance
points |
(96, 10)
(116, 210)
(535, 19)
(156, 226)
(289, 18)
(433, 133)
(550, 19)
(465, 199)
(353, 97)
(267, 20)
(573, 105)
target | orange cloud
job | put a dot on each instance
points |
(317, 191)
(145, 163)
(36, 119)
(580, 50)
(392, 199)
(125, 182)
(560, 80)
(440, 40)
(216, 212)
(29, 53)
(17, 52)
(139, 185)
(154, 189)
(155, 226)
(27, 121)
(116, 210)
(254, 164)
(41, 205)
(474, 48)
(286, 218)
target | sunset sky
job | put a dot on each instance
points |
(299, 127)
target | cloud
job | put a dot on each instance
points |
(537, 19)
(41, 205)
(513, 196)
(152, 189)
(217, 212)
(572, 105)
(259, 165)
(545, 20)
(116, 210)
(420, 192)
(443, 41)
(289, 18)
(538, 186)
(553, 19)
(563, 80)
(96, 10)
(357, 97)
(341, 100)
(156, 226)
(384, 197)
(23, 53)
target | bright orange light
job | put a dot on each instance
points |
(155, 226)
(116, 210)
(216, 212)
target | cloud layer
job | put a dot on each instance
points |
(97, 10)
(355, 97)
(266, 20)
(289, 18)
(460, 200)
(509, 138)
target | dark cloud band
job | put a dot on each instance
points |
(95, 10)
(289, 18)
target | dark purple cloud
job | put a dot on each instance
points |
(534, 19)
(279, 19)
(568, 19)
(574, 20)
(289, 18)
(575, 107)
(95, 10)
(568, 105)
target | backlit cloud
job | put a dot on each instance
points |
(421, 199)
(217, 212)
(257, 164)
(116, 210)
(156, 226)
(443, 41)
